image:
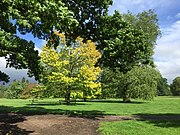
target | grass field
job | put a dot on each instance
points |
(134, 127)
(159, 117)
(160, 105)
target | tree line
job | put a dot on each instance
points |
(23, 89)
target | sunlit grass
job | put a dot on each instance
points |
(160, 105)
(134, 127)
(164, 107)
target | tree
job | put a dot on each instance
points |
(27, 90)
(3, 90)
(88, 14)
(139, 82)
(29, 16)
(163, 87)
(147, 21)
(122, 45)
(15, 89)
(125, 45)
(110, 83)
(72, 67)
(175, 87)
(4, 77)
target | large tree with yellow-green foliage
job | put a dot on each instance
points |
(72, 68)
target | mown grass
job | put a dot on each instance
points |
(160, 105)
(158, 117)
(135, 127)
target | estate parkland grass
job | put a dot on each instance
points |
(158, 117)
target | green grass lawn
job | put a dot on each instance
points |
(164, 107)
(134, 127)
(160, 105)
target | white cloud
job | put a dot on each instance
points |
(177, 15)
(167, 52)
(13, 73)
(137, 6)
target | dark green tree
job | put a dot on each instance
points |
(139, 82)
(88, 14)
(110, 83)
(15, 89)
(147, 21)
(163, 87)
(123, 46)
(4, 77)
(29, 16)
(3, 90)
(175, 87)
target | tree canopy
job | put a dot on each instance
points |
(29, 16)
(163, 87)
(88, 13)
(123, 46)
(72, 68)
(175, 86)
(140, 82)
(147, 21)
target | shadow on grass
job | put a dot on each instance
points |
(10, 116)
(78, 102)
(161, 120)
(111, 101)
(35, 110)
(8, 127)
(53, 104)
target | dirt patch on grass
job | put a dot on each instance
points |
(15, 124)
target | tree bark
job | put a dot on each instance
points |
(68, 94)
(126, 97)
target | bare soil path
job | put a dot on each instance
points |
(17, 124)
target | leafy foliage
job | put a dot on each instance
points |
(29, 16)
(175, 86)
(126, 42)
(147, 21)
(88, 14)
(140, 82)
(72, 67)
(3, 90)
(27, 91)
(110, 83)
(163, 87)
(4, 77)
(123, 46)
(15, 89)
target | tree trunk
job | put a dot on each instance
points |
(126, 98)
(68, 94)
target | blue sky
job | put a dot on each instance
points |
(167, 51)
